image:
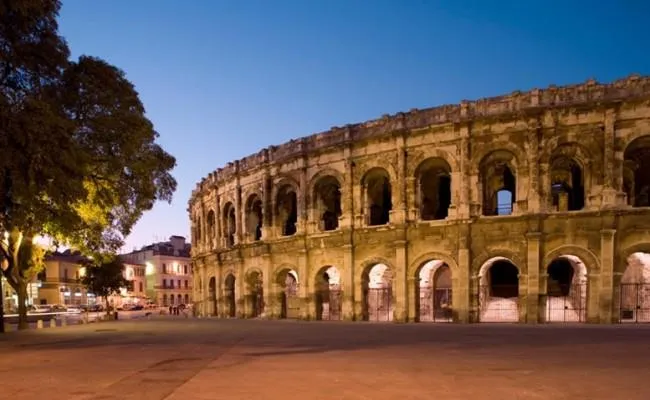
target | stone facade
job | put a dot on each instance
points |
(494, 193)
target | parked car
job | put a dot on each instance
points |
(74, 310)
(39, 309)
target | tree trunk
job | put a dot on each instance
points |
(22, 304)
(108, 309)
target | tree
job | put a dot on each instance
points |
(103, 278)
(80, 162)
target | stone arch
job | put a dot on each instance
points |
(569, 176)
(433, 194)
(419, 261)
(286, 278)
(377, 196)
(479, 262)
(636, 182)
(254, 216)
(229, 223)
(498, 278)
(211, 226)
(212, 296)
(322, 173)
(589, 259)
(286, 208)
(328, 293)
(499, 184)
(254, 297)
(417, 156)
(433, 285)
(367, 165)
(566, 288)
(230, 294)
(326, 202)
(518, 156)
(283, 180)
(377, 291)
(635, 289)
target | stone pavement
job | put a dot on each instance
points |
(183, 359)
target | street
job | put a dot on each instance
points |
(176, 358)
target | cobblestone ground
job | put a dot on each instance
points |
(185, 359)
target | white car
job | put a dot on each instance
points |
(74, 310)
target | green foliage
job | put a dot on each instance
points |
(104, 278)
(80, 161)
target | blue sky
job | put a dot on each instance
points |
(223, 79)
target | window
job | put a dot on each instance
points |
(164, 268)
(185, 269)
(164, 283)
(140, 286)
(179, 283)
(171, 283)
(186, 285)
(65, 274)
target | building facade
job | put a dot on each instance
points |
(60, 280)
(530, 207)
(167, 271)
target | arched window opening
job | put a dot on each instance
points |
(378, 197)
(211, 227)
(255, 296)
(499, 291)
(212, 294)
(635, 290)
(229, 296)
(230, 224)
(287, 210)
(327, 198)
(566, 290)
(636, 179)
(287, 280)
(377, 286)
(164, 300)
(567, 187)
(254, 218)
(329, 295)
(434, 186)
(499, 183)
(434, 289)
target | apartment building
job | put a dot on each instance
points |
(59, 282)
(167, 270)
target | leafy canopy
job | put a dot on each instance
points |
(104, 278)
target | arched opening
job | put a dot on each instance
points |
(329, 296)
(254, 218)
(433, 286)
(212, 296)
(378, 197)
(567, 184)
(286, 210)
(566, 290)
(230, 224)
(636, 180)
(211, 228)
(377, 286)
(165, 303)
(499, 291)
(635, 289)
(287, 280)
(434, 189)
(255, 296)
(327, 202)
(499, 183)
(187, 299)
(179, 299)
(230, 301)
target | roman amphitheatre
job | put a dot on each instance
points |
(532, 207)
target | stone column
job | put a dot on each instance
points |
(267, 285)
(267, 206)
(347, 193)
(462, 293)
(303, 286)
(239, 227)
(523, 296)
(544, 188)
(347, 283)
(398, 214)
(218, 235)
(400, 291)
(463, 205)
(412, 289)
(533, 267)
(302, 195)
(240, 290)
(533, 167)
(607, 257)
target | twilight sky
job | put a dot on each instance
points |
(223, 79)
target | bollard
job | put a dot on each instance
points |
(53, 323)
(39, 324)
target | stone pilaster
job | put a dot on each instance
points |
(348, 283)
(303, 284)
(607, 257)
(533, 267)
(533, 167)
(463, 203)
(400, 291)
(267, 282)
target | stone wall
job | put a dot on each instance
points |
(561, 154)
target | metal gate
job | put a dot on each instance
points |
(257, 303)
(231, 305)
(435, 305)
(498, 303)
(379, 303)
(635, 303)
(330, 305)
(566, 305)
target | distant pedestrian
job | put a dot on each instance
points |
(170, 310)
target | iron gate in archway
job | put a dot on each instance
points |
(566, 305)
(435, 304)
(498, 303)
(634, 303)
(379, 303)
(329, 305)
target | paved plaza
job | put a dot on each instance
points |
(183, 359)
